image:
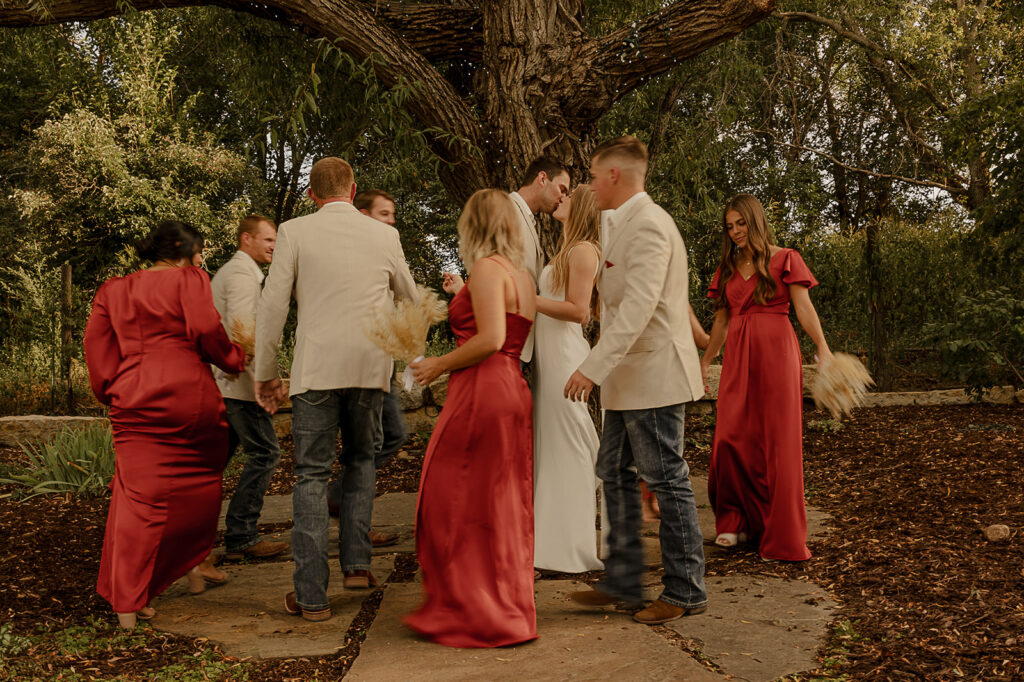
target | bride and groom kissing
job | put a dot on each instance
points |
(481, 502)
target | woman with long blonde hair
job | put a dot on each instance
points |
(474, 519)
(756, 479)
(564, 438)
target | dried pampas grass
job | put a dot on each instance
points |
(401, 330)
(841, 384)
(244, 334)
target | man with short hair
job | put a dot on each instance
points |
(379, 205)
(647, 366)
(545, 184)
(341, 266)
(236, 291)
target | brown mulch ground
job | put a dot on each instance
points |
(923, 595)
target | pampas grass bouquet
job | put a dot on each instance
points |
(401, 330)
(841, 384)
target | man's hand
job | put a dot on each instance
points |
(270, 394)
(578, 388)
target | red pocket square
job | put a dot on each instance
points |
(609, 264)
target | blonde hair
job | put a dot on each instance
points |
(760, 238)
(331, 177)
(629, 152)
(583, 225)
(489, 226)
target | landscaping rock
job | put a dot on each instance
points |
(997, 533)
(438, 390)
(422, 419)
(411, 398)
(35, 428)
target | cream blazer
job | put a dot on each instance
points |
(646, 356)
(236, 293)
(533, 257)
(339, 265)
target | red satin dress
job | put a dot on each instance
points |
(474, 521)
(756, 483)
(147, 345)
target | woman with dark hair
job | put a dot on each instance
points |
(756, 483)
(148, 343)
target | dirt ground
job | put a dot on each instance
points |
(923, 595)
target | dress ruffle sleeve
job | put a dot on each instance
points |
(713, 291)
(795, 270)
(203, 324)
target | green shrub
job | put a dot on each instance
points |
(76, 460)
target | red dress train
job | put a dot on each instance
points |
(147, 345)
(756, 482)
(474, 519)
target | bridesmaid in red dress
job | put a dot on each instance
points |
(756, 483)
(474, 521)
(148, 343)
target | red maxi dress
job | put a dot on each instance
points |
(756, 482)
(147, 345)
(474, 519)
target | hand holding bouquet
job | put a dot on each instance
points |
(841, 384)
(401, 330)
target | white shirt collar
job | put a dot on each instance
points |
(523, 207)
(616, 216)
(249, 263)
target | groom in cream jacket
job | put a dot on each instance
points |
(647, 366)
(339, 265)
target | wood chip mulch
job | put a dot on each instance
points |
(922, 593)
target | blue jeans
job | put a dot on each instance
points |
(652, 441)
(252, 428)
(316, 418)
(393, 433)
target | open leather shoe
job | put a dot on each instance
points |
(663, 612)
(292, 607)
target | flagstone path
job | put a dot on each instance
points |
(756, 628)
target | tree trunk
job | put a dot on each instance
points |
(66, 346)
(881, 354)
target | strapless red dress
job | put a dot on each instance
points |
(474, 520)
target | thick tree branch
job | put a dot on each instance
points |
(349, 24)
(954, 190)
(624, 59)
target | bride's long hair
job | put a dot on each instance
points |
(582, 225)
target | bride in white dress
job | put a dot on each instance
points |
(564, 438)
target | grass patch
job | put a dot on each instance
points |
(77, 460)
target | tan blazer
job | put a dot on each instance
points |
(340, 265)
(646, 356)
(236, 292)
(533, 256)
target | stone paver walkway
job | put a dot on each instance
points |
(756, 628)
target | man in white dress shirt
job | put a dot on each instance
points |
(236, 291)
(545, 184)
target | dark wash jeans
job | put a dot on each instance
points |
(394, 433)
(316, 418)
(652, 441)
(252, 427)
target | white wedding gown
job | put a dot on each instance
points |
(564, 449)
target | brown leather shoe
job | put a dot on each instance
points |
(378, 539)
(292, 607)
(360, 580)
(264, 549)
(663, 612)
(593, 597)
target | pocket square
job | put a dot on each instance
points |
(609, 264)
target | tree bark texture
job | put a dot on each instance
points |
(67, 325)
(537, 82)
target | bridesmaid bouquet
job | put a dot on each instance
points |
(245, 336)
(401, 330)
(841, 384)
